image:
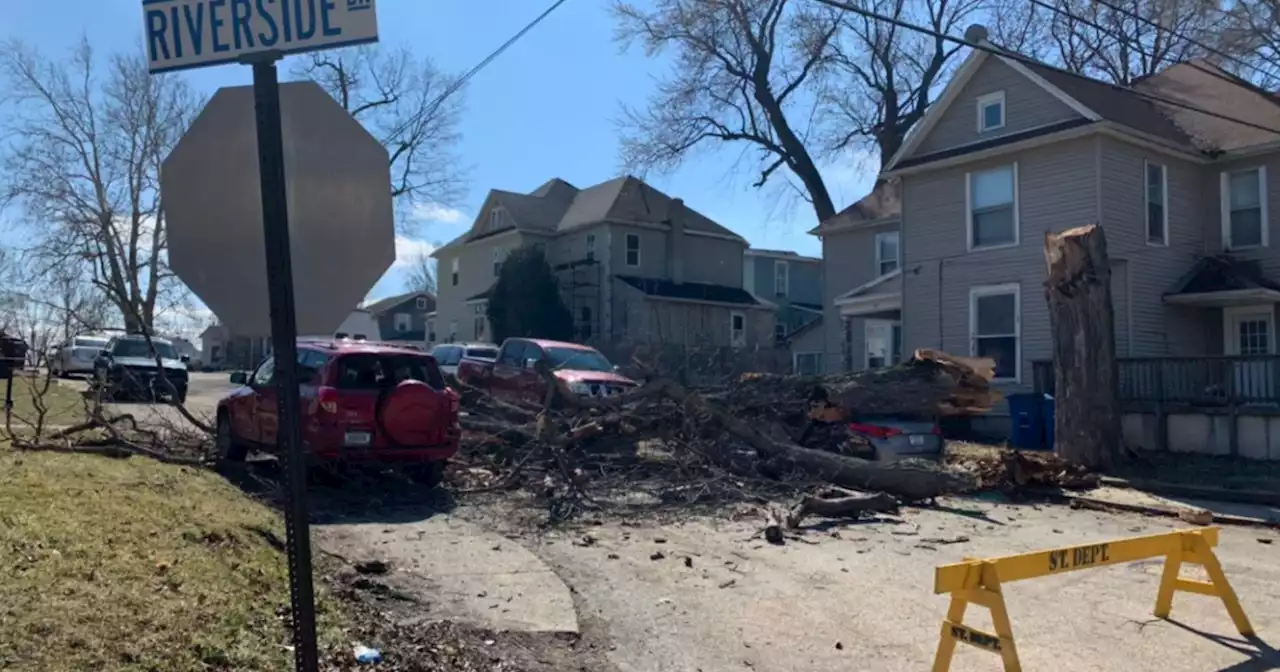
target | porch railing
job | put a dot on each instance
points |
(1202, 381)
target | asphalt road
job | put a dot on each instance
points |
(203, 392)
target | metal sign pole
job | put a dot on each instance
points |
(284, 337)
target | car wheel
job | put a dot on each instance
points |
(229, 449)
(429, 475)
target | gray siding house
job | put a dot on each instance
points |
(1013, 150)
(404, 317)
(634, 265)
(793, 283)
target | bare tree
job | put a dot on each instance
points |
(421, 274)
(1120, 41)
(85, 145)
(745, 73)
(410, 106)
(887, 75)
(1256, 24)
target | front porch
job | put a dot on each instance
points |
(871, 318)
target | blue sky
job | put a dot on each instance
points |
(545, 108)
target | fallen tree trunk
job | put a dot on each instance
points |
(930, 385)
(845, 504)
(1086, 399)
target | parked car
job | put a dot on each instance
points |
(449, 354)
(77, 355)
(362, 402)
(512, 375)
(892, 439)
(128, 366)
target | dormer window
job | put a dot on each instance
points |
(495, 219)
(991, 112)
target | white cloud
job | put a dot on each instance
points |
(409, 250)
(434, 212)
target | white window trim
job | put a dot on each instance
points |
(421, 303)
(795, 360)
(495, 219)
(786, 277)
(1146, 212)
(880, 260)
(497, 261)
(732, 315)
(983, 102)
(995, 290)
(968, 211)
(626, 249)
(1225, 189)
(1231, 336)
(866, 339)
(590, 245)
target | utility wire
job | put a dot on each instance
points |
(1031, 61)
(461, 81)
(1115, 33)
(1189, 40)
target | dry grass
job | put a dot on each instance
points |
(63, 404)
(116, 564)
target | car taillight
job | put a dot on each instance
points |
(327, 398)
(937, 430)
(874, 430)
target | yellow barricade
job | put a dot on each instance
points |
(980, 581)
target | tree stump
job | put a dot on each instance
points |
(1082, 320)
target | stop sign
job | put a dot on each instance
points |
(341, 226)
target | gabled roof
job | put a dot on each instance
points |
(882, 204)
(1210, 88)
(690, 291)
(1222, 274)
(383, 305)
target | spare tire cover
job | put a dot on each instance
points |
(410, 414)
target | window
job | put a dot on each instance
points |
(995, 327)
(512, 354)
(633, 249)
(808, 363)
(884, 343)
(591, 246)
(479, 308)
(370, 371)
(478, 325)
(737, 329)
(265, 374)
(1157, 204)
(991, 112)
(310, 363)
(421, 303)
(495, 219)
(887, 252)
(993, 207)
(497, 261)
(781, 272)
(779, 332)
(455, 271)
(404, 322)
(453, 330)
(1244, 209)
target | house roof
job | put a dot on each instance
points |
(383, 305)
(1213, 89)
(481, 296)
(691, 291)
(557, 206)
(1222, 274)
(883, 202)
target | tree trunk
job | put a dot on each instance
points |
(1082, 320)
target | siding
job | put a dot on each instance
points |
(804, 279)
(849, 261)
(684, 323)
(1268, 258)
(1027, 106)
(475, 275)
(1056, 190)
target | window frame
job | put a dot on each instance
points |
(779, 332)
(495, 219)
(453, 266)
(1164, 205)
(626, 250)
(891, 358)
(589, 246)
(968, 209)
(795, 361)
(497, 261)
(737, 342)
(421, 303)
(986, 100)
(1225, 197)
(402, 319)
(784, 277)
(897, 247)
(980, 291)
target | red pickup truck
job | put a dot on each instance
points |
(513, 376)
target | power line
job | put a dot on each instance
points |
(1189, 40)
(461, 81)
(1031, 61)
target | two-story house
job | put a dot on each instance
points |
(1014, 149)
(404, 317)
(793, 284)
(634, 266)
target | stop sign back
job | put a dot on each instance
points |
(341, 222)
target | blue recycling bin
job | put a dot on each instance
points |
(1026, 411)
(1046, 414)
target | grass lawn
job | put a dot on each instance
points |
(114, 564)
(63, 404)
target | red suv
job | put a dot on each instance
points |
(361, 402)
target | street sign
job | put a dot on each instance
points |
(338, 185)
(184, 34)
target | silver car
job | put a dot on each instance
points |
(77, 355)
(449, 354)
(892, 439)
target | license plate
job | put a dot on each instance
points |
(916, 439)
(358, 438)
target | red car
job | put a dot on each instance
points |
(513, 376)
(362, 402)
